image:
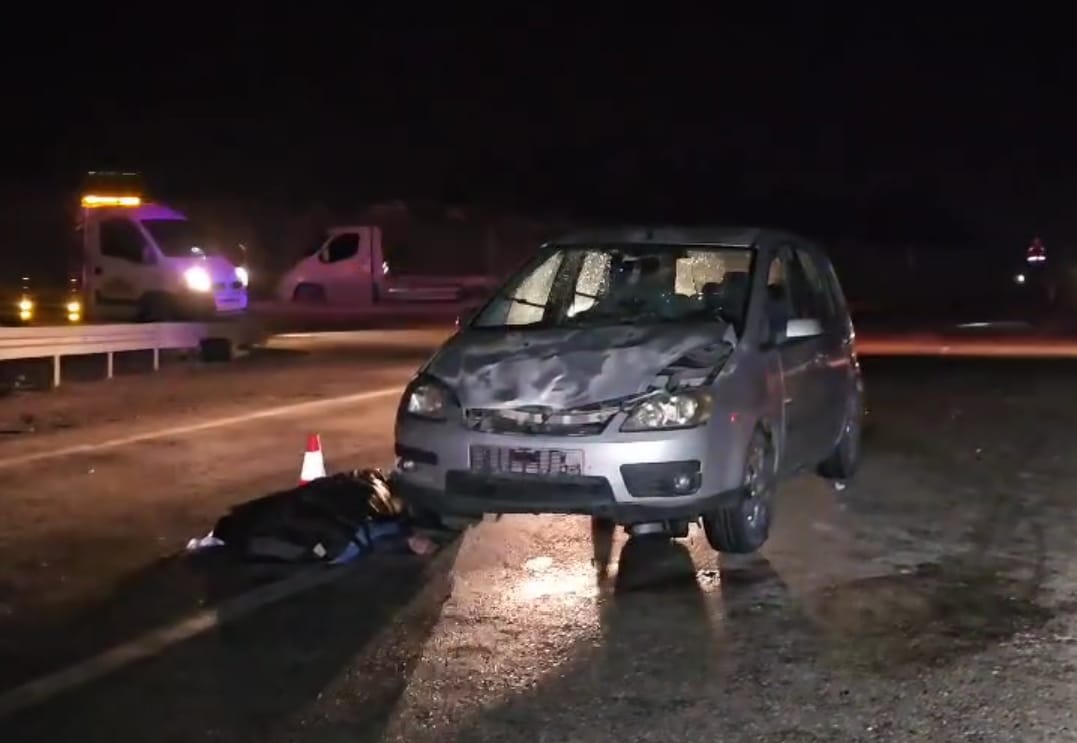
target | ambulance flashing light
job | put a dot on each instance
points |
(91, 200)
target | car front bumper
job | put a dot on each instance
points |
(531, 495)
(627, 478)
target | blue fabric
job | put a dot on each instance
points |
(364, 540)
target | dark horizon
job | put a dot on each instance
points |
(960, 131)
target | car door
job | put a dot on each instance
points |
(345, 267)
(819, 300)
(118, 268)
(800, 359)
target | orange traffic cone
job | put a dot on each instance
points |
(313, 461)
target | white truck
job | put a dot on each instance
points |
(128, 261)
(125, 260)
(148, 262)
(353, 267)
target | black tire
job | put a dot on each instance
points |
(309, 294)
(216, 350)
(745, 526)
(156, 308)
(844, 461)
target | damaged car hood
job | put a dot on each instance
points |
(570, 368)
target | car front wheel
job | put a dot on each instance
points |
(745, 526)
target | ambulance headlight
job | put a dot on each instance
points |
(242, 276)
(197, 279)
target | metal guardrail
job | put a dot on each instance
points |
(76, 340)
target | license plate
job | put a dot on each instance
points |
(526, 461)
(230, 301)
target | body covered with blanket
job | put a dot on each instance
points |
(332, 519)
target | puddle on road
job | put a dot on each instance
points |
(928, 616)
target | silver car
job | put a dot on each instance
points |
(652, 377)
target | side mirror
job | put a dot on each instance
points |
(803, 328)
(466, 316)
(149, 258)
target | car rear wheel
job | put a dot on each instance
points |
(744, 527)
(845, 459)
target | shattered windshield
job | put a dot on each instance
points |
(583, 286)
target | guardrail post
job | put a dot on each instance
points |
(56, 371)
(108, 365)
(156, 359)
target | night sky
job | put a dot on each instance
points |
(948, 124)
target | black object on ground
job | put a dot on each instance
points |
(331, 519)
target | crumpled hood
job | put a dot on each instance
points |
(563, 368)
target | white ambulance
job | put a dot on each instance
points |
(147, 262)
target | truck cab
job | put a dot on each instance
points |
(352, 266)
(147, 262)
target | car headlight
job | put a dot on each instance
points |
(428, 400)
(197, 279)
(242, 276)
(664, 411)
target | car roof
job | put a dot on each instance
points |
(735, 237)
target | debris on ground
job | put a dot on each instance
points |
(333, 519)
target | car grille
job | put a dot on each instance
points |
(584, 422)
(504, 460)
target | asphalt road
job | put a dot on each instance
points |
(932, 599)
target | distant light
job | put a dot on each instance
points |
(98, 200)
(26, 305)
(1019, 278)
(1036, 252)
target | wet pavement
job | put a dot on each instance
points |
(933, 598)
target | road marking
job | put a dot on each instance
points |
(157, 641)
(299, 407)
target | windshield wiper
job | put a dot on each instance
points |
(521, 300)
